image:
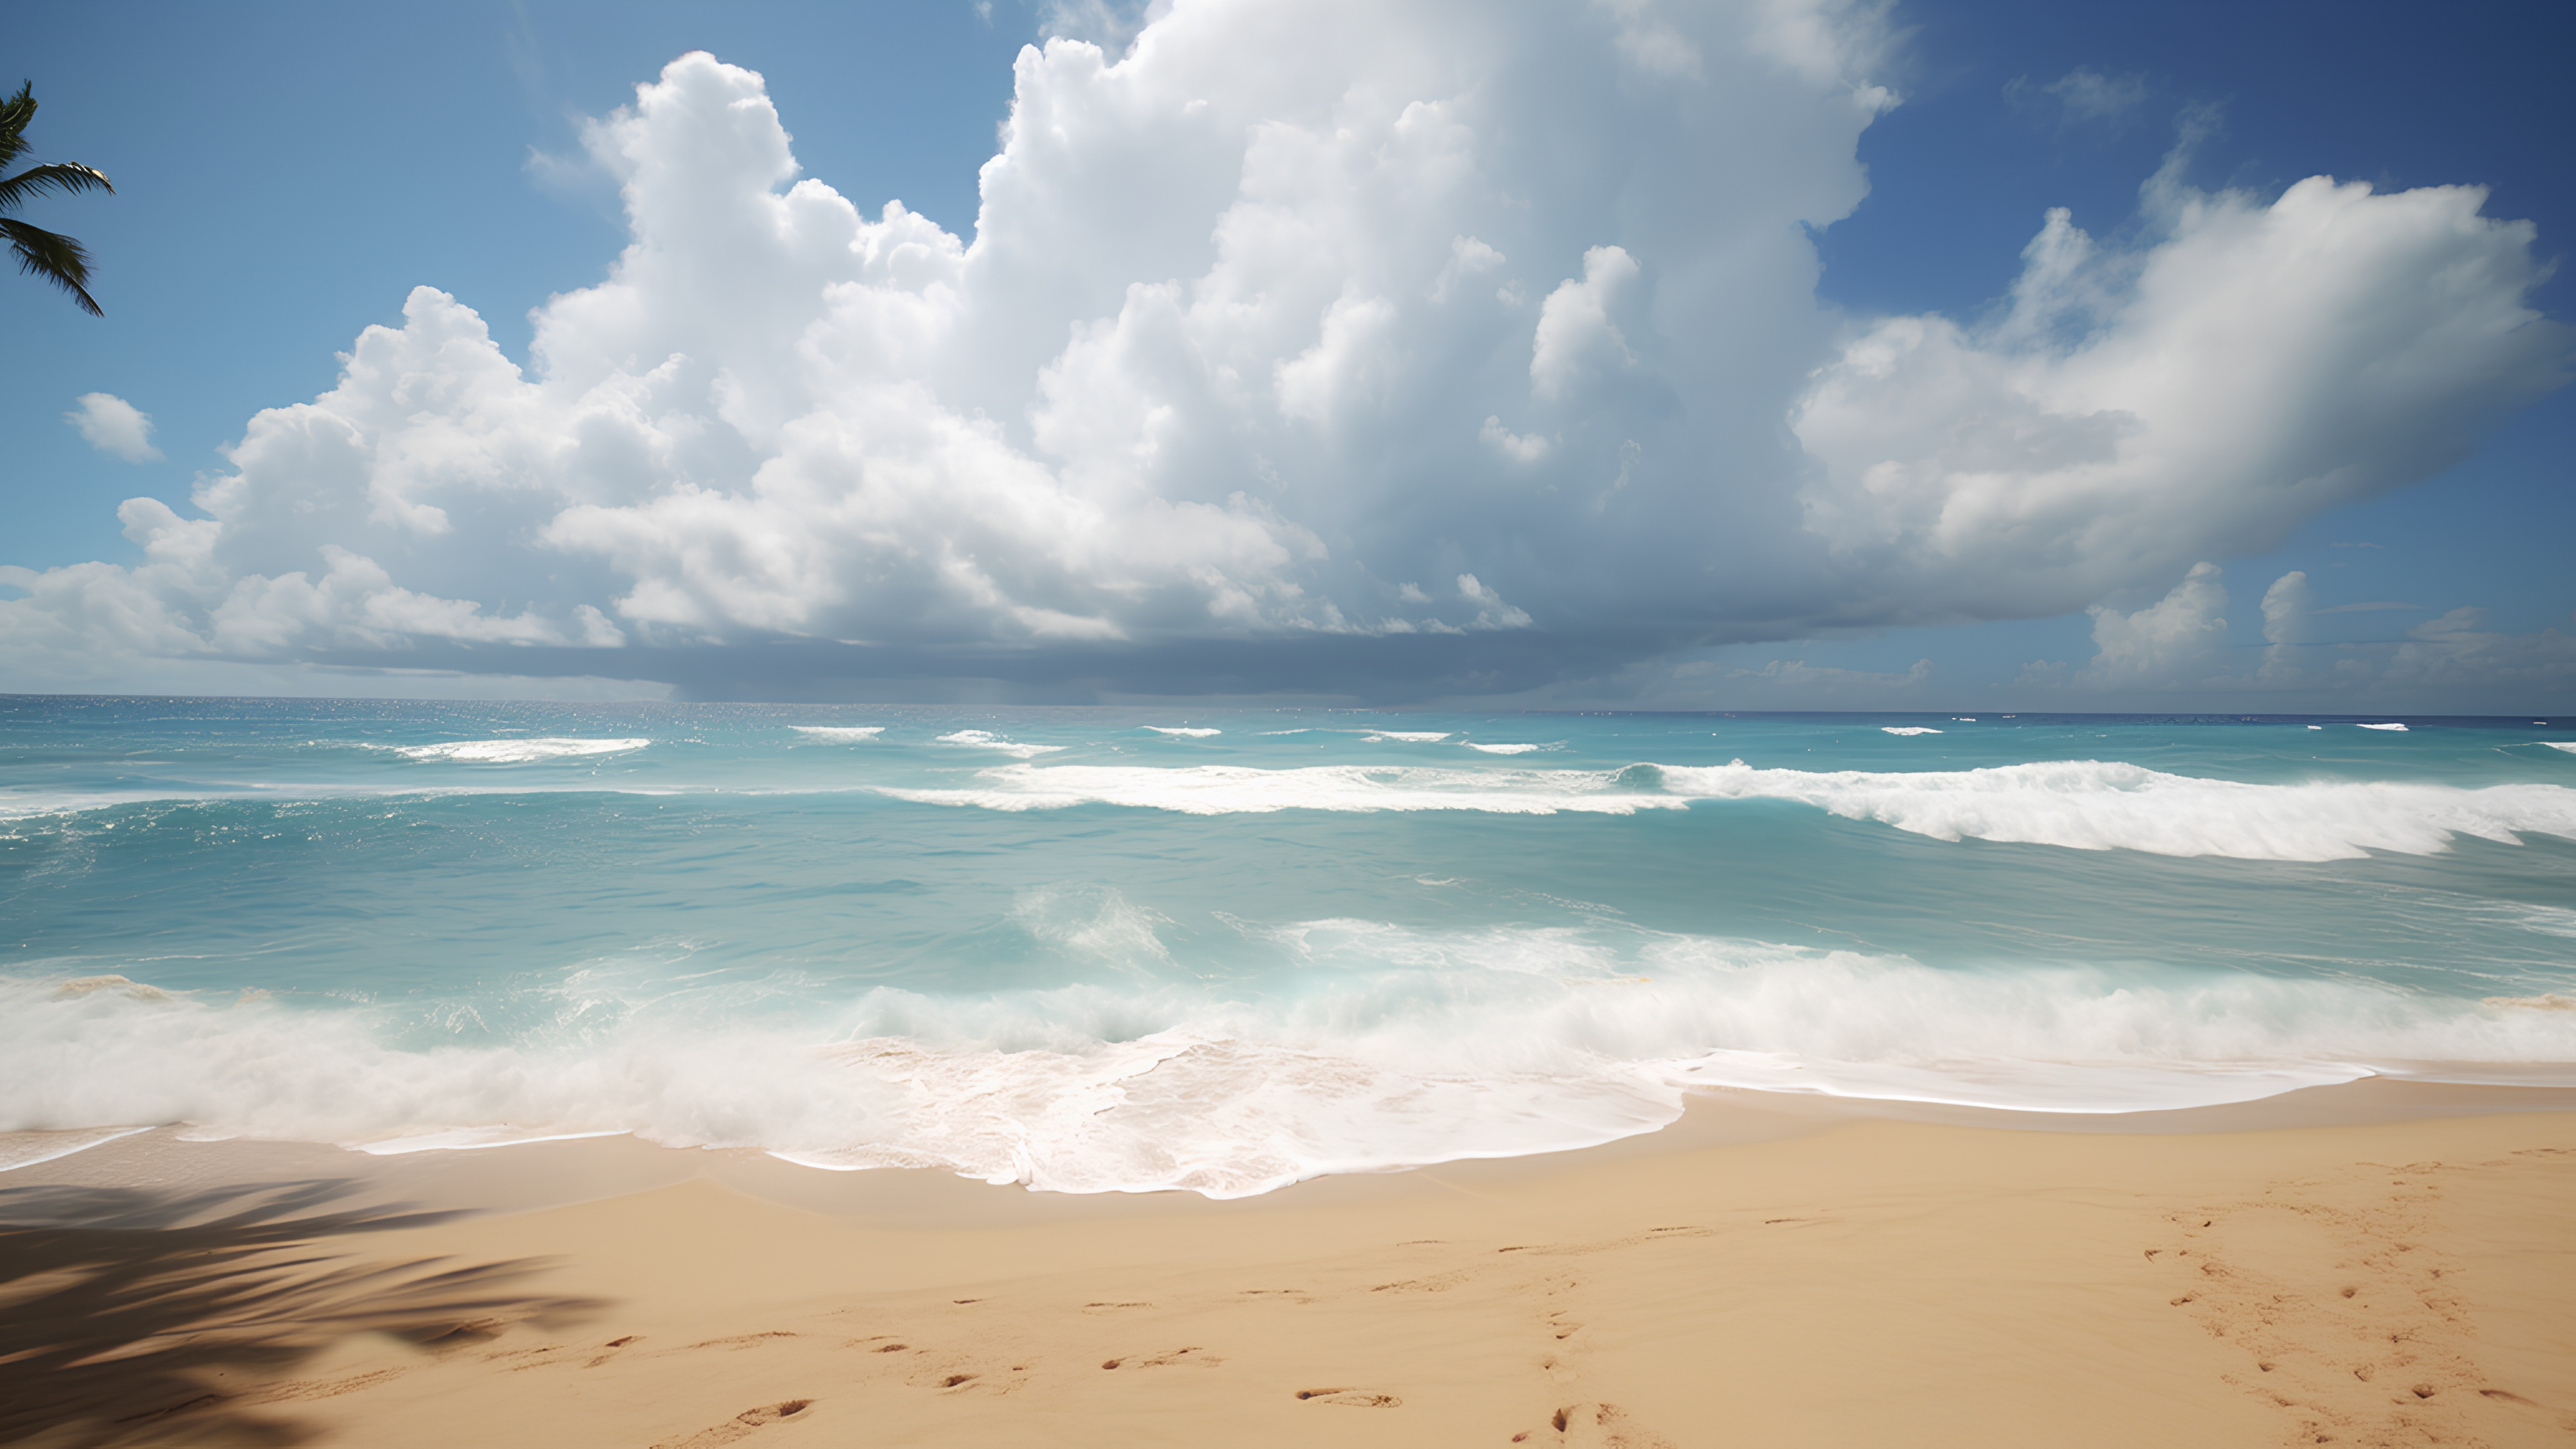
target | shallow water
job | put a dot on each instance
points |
(1121, 949)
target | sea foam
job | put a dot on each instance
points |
(1243, 789)
(2100, 805)
(1412, 1047)
(849, 979)
(2076, 804)
(515, 752)
(987, 740)
(841, 734)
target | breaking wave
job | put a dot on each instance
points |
(2076, 804)
(1416, 1047)
(987, 740)
(513, 752)
(1244, 789)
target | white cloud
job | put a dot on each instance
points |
(115, 427)
(1229, 357)
(1470, 260)
(2249, 365)
(1519, 447)
(1576, 335)
(1491, 611)
(2285, 609)
(2155, 643)
(2178, 653)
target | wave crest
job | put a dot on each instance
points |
(1415, 1047)
(2075, 804)
(2102, 805)
(515, 752)
(987, 740)
(1244, 789)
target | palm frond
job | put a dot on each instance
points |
(65, 177)
(15, 113)
(55, 257)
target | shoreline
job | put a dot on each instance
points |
(1768, 1270)
(536, 1173)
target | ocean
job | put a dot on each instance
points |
(1114, 949)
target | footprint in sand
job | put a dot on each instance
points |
(740, 1426)
(1191, 1355)
(1351, 1398)
(1298, 1296)
(1604, 1425)
(746, 1340)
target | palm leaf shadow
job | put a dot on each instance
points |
(143, 1317)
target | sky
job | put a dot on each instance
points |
(1777, 354)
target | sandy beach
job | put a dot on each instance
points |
(1678, 724)
(1770, 1271)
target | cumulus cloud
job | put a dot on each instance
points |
(2285, 609)
(1491, 611)
(2286, 622)
(1576, 336)
(2250, 364)
(1273, 318)
(2180, 653)
(2155, 643)
(115, 427)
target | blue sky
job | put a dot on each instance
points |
(289, 173)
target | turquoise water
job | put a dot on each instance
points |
(1094, 949)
